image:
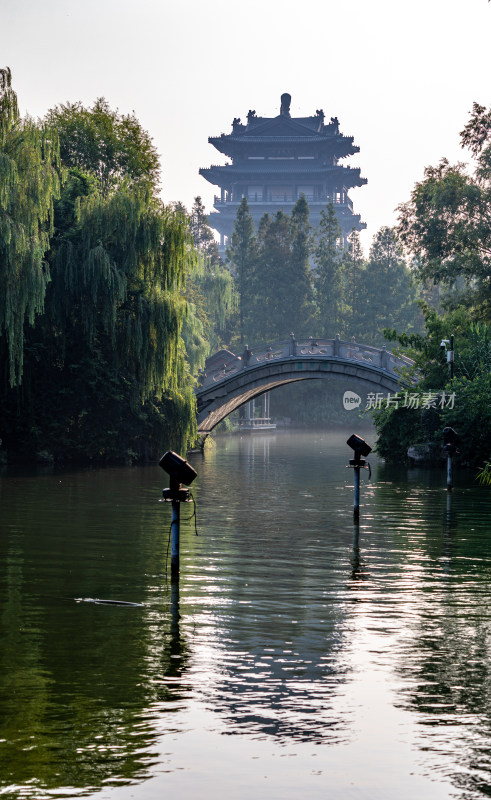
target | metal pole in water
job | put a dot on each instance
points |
(174, 539)
(449, 473)
(356, 504)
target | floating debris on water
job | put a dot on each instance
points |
(100, 602)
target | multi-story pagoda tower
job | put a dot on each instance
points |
(275, 160)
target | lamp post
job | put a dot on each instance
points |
(179, 472)
(360, 448)
(449, 353)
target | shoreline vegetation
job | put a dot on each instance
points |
(111, 300)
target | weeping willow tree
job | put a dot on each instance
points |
(29, 183)
(117, 281)
(210, 293)
(105, 373)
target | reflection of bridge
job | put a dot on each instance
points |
(230, 381)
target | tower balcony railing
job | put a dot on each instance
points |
(258, 201)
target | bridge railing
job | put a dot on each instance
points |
(308, 348)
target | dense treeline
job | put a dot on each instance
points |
(291, 277)
(92, 274)
(446, 226)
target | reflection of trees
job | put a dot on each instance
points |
(78, 680)
(283, 695)
(443, 653)
(280, 660)
(446, 668)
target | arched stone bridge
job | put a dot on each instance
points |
(229, 381)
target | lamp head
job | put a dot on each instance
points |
(450, 436)
(179, 470)
(359, 445)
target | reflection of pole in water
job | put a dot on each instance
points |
(175, 615)
(449, 520)
(450, 438)
(449, 509)
(449, 474)
(355, 561)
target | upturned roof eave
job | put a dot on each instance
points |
(225, 175)
(231, 145)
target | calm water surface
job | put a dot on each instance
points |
(299, 657)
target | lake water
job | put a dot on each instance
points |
(298, 657)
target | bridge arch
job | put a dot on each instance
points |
(229, 380)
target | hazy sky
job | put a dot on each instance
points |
(400, 76)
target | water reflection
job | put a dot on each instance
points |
(291, 627)
(77, 678)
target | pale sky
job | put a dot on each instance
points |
(400, 76)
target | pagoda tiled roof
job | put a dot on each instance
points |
(281, 166)
(285, 131)
(282, 126)
(350, 176)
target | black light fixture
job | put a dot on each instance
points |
(450, 440)
(360, 447)
(179, 471)
(448, 353)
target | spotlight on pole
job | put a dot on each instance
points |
(179, 472)
(360, 448)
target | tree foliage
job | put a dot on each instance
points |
(447, 221)
(242, 258)
(209, 292)
(105, 369)
(292, 278)
(29, 183)
(329, 281)
(387, 291)
(282, 279)
(469, 416)
(111, 146)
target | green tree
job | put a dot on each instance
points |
(299, 274)
(272, 297)
(111, 146)
(446, 223)
(388, 290)
(29, 183)
(242, 257)
(354, 266)
(105, 371)
(201, 232)
(283, 287)
(330, 283)
(210, 293)
(471, 388)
